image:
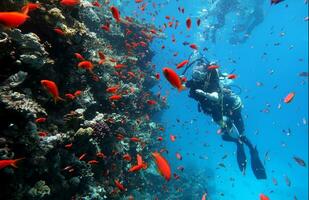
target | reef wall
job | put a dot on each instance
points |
(81, 144)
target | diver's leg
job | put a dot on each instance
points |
(256, 163)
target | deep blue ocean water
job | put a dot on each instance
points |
(273, 56)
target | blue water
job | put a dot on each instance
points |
(274, 54)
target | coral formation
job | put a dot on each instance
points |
(74, 149)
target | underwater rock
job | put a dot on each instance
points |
(16, 79)
(21, 103)
(32, 52)
(39, 190)
(100, 129)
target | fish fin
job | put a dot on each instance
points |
(181, 88)
(56, 99)
(25, 9)
(14, 163)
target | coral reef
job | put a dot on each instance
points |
(74, 149)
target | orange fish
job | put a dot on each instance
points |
(40, 120)
(6, 163)
(159, 138)
(82, 156)
(135, 139)
(69, 96)
(127, 157)
(42, 134)
(151, 102)
(157, 76)
(212, 67)
(77, 93)
(231, 76)
(102, 57)
(188, 23)
(263, 197)
(115, 13)
(115, 97)
(178, 156)
(112, 89)
(183, 63)
(119, 185)
(100, 155)
(68, 146)
(193, 46)
(52, 88)
(69, 2)
(106, 27)
(30, 7)
(79, 56)
(59, 31)
(163, 166)
(86, 65)
(204, 196)
(13, 19)
(93, 162)
(173, 138)
(289, 97)
(173, 78)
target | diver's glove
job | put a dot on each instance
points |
(200, 92)
(214, 96)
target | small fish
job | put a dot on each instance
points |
(204, 196)
(115, 13)
(287, 181)
(183, 63)
(151, 102)
(173, 138)
(6, 163)
(42, 134)
(173, 78)
(82, 156)
(92, 162)
(69, 96)
(275, 1)
(112, 89)
(40, 120)
(263, 197)
(303, 74)
(127, 157)
(157, 76)
(159, 138)
(77, 93)
(115, 97)
(188, 23)
(193, 46)
(86, 65)
(231, 76)
(275, 182)
(178, 156)
(79, 56)
(13, 19)
(211, 67)
(119, 185)
(52, 88)
(102, 57)
(135, 139)
(299, 161)
(69, 2)
(29, 7)
(162, 165)
(59, 31)
(289, 97)
(198, 22)
(100, 155)
(68, 146)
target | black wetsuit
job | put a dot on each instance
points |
(229, 105)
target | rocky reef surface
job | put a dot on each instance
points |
(74, 148)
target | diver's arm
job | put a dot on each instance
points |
(214, 96)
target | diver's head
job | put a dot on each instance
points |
(199, 72)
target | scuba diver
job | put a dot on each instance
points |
(211, 89)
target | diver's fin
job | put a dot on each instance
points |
(241, 158)
(257, 165)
